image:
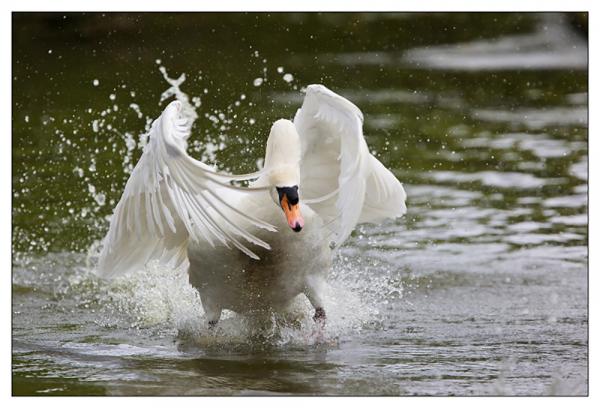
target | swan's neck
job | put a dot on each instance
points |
(282, 158)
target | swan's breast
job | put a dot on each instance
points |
(241, 283)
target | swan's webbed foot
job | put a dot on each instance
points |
(212, 310)
(319, 331)
(319, 316)
(313, 290)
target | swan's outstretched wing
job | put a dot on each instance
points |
(339, 178)
(171, 198)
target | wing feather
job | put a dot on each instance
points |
(171, 198)
(339, 178)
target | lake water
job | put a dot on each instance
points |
(481, 289)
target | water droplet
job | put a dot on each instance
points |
(288, 78)
(100, 199)
(95, 82)
(258, 82)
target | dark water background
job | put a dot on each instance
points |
(480, 289)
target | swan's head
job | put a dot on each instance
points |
(282, 163)
(289, 200)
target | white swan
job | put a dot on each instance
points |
(319, 180)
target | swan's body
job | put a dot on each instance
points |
(318, 170)
(296, 263)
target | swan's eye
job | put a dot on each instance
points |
(290, 192)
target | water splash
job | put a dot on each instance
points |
(160, 301)
(160, 298)
(188, 110)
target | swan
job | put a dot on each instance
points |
(253, 248)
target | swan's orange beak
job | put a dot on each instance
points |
(292, 213)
